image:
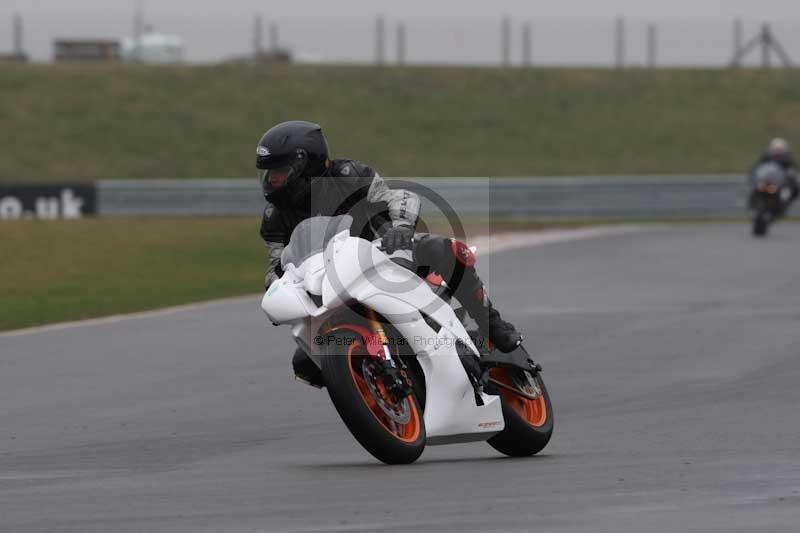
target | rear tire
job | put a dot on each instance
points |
(529, 423)
(344, 364)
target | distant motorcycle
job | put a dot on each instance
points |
(397, 361)
(769, 197)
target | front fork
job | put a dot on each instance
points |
(377, 327)
(397, 380)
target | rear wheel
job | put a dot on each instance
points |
(389, 428)
(529, 423)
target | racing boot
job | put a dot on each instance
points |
(501, 333)
(306, 370)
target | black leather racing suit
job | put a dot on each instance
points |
(348, 187)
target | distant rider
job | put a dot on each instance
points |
(300, 180)
(779, 152)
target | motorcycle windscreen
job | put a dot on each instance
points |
(311, 236)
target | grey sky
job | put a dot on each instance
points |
(567, 31)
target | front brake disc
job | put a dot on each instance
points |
(398, 412)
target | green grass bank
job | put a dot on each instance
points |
(53, 272)
(61, 122)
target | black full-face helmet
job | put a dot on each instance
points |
(287, 156)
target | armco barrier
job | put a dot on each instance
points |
(204, 197)
(704, 196)
(591, 197)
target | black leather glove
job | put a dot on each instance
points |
(397, 238)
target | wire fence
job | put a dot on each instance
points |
(514, 41)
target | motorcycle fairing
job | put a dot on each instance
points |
(450, 397)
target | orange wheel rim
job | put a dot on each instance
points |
(407, 432)
(534, 412)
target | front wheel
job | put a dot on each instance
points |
(529, 423)
(391, 429)
(761, 223)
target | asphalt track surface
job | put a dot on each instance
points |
(672, 356)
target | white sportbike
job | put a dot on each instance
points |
(398, 363)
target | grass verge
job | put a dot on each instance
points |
(53, 272)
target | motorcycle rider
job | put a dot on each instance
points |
(300, 180)
(778, 152)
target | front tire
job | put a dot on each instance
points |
(760, 224)
(529, 423)
(392, 431)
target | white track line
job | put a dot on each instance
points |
(486, 245)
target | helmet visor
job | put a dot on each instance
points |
(275, 178)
